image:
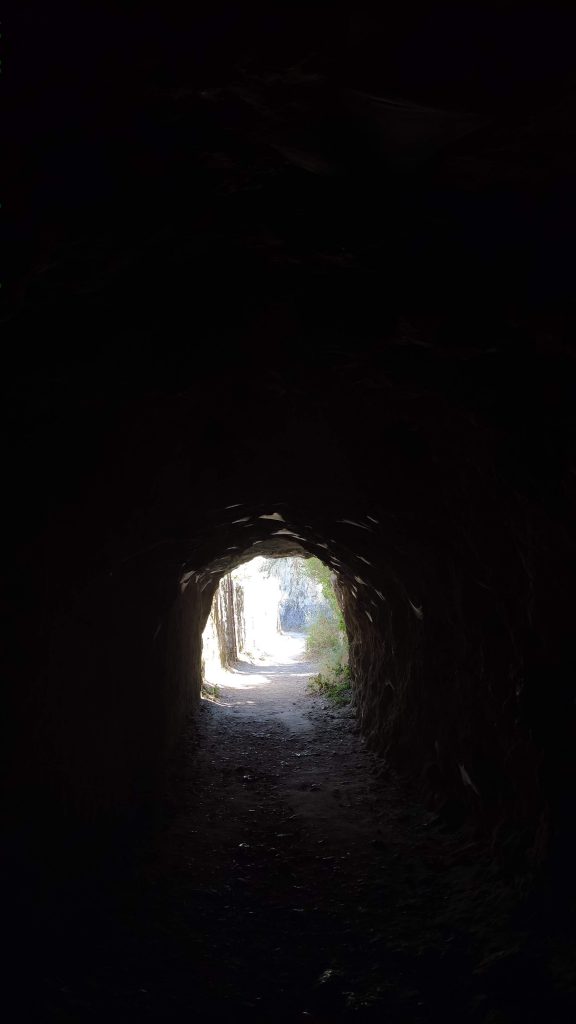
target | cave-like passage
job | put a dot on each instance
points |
(306, 860)
(294, 878)
(291, 874)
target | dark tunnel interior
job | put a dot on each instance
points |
(311, 261)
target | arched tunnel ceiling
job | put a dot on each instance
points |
(344, 544)
(303, 255)
(317, 264)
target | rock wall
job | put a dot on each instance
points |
(120, 673)
(455, 566)
(315, 283)
(301, 598)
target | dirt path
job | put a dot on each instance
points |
(294, 880)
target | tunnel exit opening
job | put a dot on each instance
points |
(273, 618)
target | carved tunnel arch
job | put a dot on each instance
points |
(383, 616)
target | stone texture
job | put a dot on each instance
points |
(299, 271)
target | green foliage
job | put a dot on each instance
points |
(334, 683)
(210, 692)
(325, 638)
(326, 641)
(322, 574)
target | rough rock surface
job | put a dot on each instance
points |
(302, 262)
(301, 598)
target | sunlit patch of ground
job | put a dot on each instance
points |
(282, 660)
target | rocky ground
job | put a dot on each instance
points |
(291, 877)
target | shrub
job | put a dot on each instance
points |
(324, 637)
(327, 642)
(322, 574)
(334, 683)
(210, 692)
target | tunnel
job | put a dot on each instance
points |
(291, 283)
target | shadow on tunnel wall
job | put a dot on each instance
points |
(312, 265)
(448, 528)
